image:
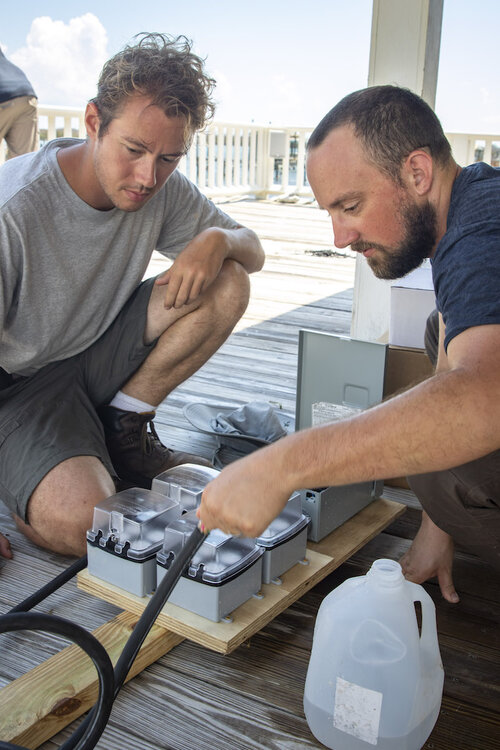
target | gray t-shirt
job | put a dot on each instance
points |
(67, 269)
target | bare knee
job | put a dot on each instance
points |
(61, 508)
(222, 304)
(232, 293)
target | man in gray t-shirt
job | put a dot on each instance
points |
(88, 350)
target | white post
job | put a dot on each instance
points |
(193, 166)
(236, 159)
(51, 126)
(252, 159)
(244, 157)
(202, 161)
(404, 51)
(301, 156)
(487, 150)
(286, 165)
(230, 131)
(220, 155)
(211, 158)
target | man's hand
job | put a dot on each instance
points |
(5, 548)
(195, 268)
(431, 554)
(245, 497)
(199, 264)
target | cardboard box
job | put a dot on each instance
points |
(404, 368)
(412, 301)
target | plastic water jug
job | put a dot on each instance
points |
(373, 678)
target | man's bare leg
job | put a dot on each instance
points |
(189, 336)
(431, 554)
(61, 508)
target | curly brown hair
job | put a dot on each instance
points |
(163, 68)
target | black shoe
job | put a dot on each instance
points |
(137, 454)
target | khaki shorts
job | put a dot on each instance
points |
(51, 416)
(19, 125)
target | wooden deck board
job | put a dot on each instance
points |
(193, 698)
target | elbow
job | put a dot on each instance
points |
(255, 255)
(260, 258)
(259, 254)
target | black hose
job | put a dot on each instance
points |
(49, 588)
(86, 641)
(87, 734)
(146, 621)
(154, 607)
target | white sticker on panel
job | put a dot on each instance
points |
(357, 711)
(324, 411)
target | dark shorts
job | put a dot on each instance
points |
(51, 416)
(465, 502)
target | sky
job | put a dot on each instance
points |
(282, 62)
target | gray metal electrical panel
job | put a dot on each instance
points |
(337, 377)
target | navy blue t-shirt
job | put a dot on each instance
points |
(466, 264)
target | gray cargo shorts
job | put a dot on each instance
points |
(51, 416)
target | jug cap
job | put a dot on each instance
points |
(386, 572)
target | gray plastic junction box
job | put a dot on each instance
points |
(126, 534)
(224, 573)
(184, 483)
(284, 541)
(337, 377)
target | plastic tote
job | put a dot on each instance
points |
(373, 679)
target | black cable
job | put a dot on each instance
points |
(154, 607)
(86, 641)
(86, 736)
(49, 588)
(147, 620)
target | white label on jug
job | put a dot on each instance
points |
(357, 711)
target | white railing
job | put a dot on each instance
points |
(229, 159)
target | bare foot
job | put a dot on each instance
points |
(5, 548)
(431, 554)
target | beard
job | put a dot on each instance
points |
(420, 234)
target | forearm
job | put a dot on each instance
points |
(242, 245)
(445, 421)
(448, 420)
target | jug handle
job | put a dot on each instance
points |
(428, 635)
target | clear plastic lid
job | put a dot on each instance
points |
(132, 522)
(220, 557)
(290, 521)
(185, 483)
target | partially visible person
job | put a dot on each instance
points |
(381, 166)
(18, 110)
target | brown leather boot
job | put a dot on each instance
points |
(137, 453)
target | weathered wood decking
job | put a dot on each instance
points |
(192, 698)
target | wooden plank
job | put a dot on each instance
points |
(248, 619)
(43, 701)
